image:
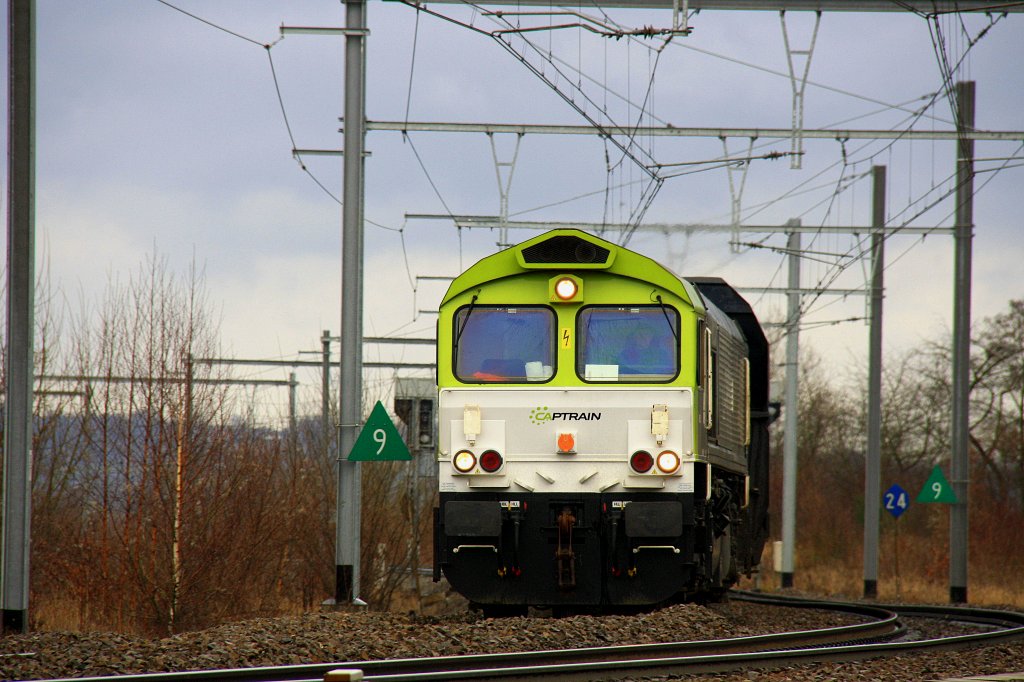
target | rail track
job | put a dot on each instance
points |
(881, 634)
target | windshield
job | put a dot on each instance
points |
(504, 344)
(635, 344)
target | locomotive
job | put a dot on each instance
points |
(602, 430)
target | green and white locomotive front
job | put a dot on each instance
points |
(570, 427)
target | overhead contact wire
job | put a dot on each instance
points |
(213, 25)
(291, 136)
(948, 73)
(655, 183)
(277, 89)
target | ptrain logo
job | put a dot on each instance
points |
(540, 415)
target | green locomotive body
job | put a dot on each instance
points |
(602, 430)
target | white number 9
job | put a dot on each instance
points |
(379, 436)
(937, 488)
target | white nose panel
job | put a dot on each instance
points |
(524, 426)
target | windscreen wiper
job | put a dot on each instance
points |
(465, 321)
(664, 311)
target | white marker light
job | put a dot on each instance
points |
(464, 461)
(668, 462)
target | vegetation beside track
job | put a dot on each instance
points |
(251, 521)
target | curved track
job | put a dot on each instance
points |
(877, 636)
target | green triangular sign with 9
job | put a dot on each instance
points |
(379, 441)
(937, 489)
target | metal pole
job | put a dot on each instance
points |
(961, 345)
(17, 503)
(325, 392)
(346, 588)
(327, 433)
(414, 549)
(293, 426)
(184, 443)
(789, 450)
(873, 455)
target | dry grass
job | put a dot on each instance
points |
(847, 582)
(55, 614)
(826, 581)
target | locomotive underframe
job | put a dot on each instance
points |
(591, 550)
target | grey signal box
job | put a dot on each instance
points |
(416, 406)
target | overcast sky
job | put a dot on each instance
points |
(157, 132)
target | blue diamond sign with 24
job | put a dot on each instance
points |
(895, 500)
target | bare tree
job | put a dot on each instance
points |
(915, 414)
(997, 429)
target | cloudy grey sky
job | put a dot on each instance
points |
(159, 132)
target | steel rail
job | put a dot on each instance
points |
(883, 624)
(843, 643)
(1009, 620)
(1012, 624)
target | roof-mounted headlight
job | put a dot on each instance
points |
(566, 289)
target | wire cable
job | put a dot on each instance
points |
(785, 75)
(408, 138)
(280, 101)
(288, 127)
(277, 89)
(604, 190)
(505, 43)
(610, 134)
(994, 172)
(948, 72)
(216, 26)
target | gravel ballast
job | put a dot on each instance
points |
(353, 636)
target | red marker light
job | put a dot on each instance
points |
(641, 461)
(491, 461)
